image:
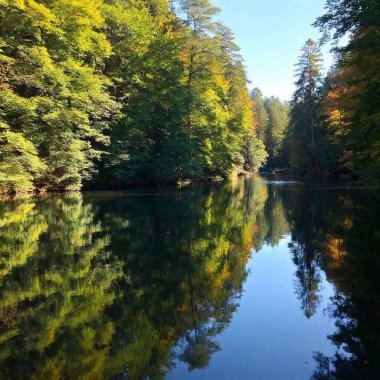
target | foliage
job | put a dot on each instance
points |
(304, 109)
(151, 91)
(335, 126)
(357, 83)
(271, 117)
(53, 92)
(19, 162)
(276, 132)
(254, 153)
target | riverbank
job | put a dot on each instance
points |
(268, 177)
(137, 185)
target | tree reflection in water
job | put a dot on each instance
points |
(338, 233)
(106, 285)
(98, 286)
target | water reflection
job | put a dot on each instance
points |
(106, 285)
(338, 233)
(55, 286)
(352, 262)
(184, 258)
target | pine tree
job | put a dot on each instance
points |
(304, 108)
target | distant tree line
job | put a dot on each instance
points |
(271, 117)
(110, 92)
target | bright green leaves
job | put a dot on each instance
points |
(19, 162)
(254, 153)
(53, 92)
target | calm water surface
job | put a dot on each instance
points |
(243, 280)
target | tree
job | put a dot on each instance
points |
(254, 154)
(276, 131)
(147, 139)
(19, 162)
(260, 113)
(304, 108)
(271, 125)
(135, 90)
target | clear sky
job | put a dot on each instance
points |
(270, 34)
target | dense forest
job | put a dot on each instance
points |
(271, 120)
(108, 93)
(335, 121)
(332, 127)
(119, 91)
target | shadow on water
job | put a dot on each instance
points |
(105, 285)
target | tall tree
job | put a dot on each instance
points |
(147, 141)
(278, 122)
(218, 111)
(260, 113)
(304, 108)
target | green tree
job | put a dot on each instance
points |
(147, 140)
(260, 113)
(254, 154)
(276, 131)
(19, 162)
(304, 109)
(138, 90)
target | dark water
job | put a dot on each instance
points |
(245, 280)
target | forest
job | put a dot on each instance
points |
(103, 94)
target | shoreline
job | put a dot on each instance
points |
(140, 187)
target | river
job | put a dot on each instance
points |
(248, 279)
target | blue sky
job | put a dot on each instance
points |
(270, 34)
